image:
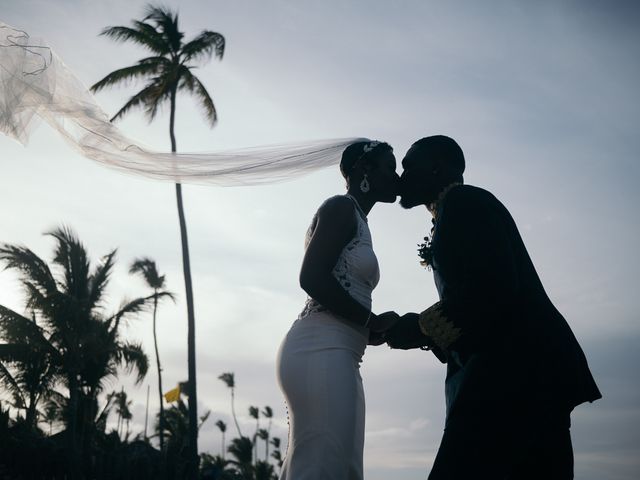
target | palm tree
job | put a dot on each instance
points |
(81, 339)
(223, 428)
(276, 454)
(263, 470)
(263, 434)
(254, 412)
(229, 379)
(168, 70)
(176, 425)
(122, 405)
(51, 415)
(149, 271)
(26, 370)
(242, 450)
(268, 413)
(127, 416)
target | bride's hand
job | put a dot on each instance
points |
(383, 322)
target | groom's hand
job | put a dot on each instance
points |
(406, 333)
(380, 325)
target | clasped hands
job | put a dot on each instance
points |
(397, 331)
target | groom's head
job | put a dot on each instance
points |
(431, 164)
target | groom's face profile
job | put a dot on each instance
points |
(420, 182)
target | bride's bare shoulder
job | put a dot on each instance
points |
(336, 206)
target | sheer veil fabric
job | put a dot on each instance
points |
(35, 85)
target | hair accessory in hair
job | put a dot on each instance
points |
(367, 147)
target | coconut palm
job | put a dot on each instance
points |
(168, 70)
(26, 370)
(223, 428)
(263, 470)
(276, 454)
(149, 271)
(242, 450)
(176, 425)
(229, 379)
(267, 412)
(254, 412)
(122, 404)
(82, 340)
(51, 415)
(263, 434)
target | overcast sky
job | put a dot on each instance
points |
(542, 97)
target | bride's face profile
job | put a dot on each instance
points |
(383, 178)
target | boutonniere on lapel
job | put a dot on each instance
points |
(425, 252)
(425, 249)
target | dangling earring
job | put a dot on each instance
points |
(364, 184)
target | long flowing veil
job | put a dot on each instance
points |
(35, 85)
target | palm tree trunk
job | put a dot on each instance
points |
(223, 445)
(31, 415)
(233, 412)
(268, 438)
(191, 326)
(74, 454)
(255, 443)
(155, 344)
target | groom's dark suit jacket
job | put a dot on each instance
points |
(513, 346)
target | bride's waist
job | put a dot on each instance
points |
(327, 329)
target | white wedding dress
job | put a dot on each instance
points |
(318, 370)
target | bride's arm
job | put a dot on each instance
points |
(335, 227)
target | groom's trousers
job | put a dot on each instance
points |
(526, 446)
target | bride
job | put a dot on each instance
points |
(319, 359)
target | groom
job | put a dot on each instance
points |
(514, 368)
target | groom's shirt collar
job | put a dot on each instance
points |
(434, 206)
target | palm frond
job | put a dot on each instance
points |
(228, 378)
(7, 379)
(103, 415)
(204, 418)
(72, 256)
(206, 44)
(162, 93)
(32, 267)
(165, 293)
(149, 271)
(191, 83)
(99, 279)
(124, 75)
(15, 352)
(20, 329)
(142, 98)
(254, 412)
(166, 21)
(142, 35)
(127, 309)
(131, 356)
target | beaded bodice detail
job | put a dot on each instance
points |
(357, 267)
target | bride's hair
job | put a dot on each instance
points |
(359, 153)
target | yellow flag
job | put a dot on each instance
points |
(173, 395)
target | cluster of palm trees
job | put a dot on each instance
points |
(57, 359)
(245, 449)
(62, 355)
(56, 362)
